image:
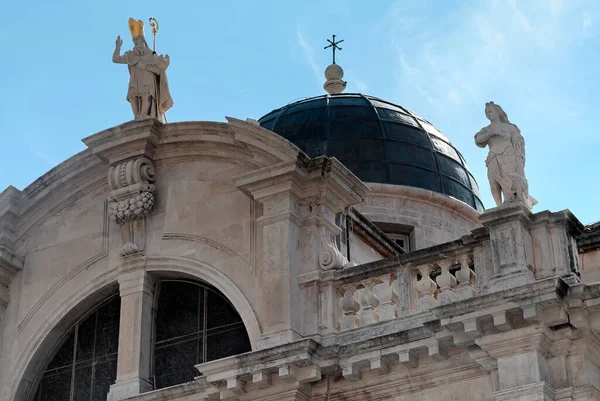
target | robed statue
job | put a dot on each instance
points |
(506, 158)
(148, 91)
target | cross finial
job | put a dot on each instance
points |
(334, 45)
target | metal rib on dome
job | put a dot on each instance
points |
(378, 141)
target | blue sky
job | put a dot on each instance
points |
(538, 59)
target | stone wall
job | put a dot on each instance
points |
(435, 218)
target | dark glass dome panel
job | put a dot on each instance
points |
(378, 141)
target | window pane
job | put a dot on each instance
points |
(175, 357)
(94, 371)
(107, 331)
(220, 311)
(83, 381)
(105, 374)
(231, 342)
(64, 356)
(56, 387)
(85, 339)
(174, 364)
(177, 314)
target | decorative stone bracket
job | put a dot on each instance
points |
(329, 256)
(131, 200)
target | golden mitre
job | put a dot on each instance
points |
(136, 28)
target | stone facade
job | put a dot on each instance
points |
(500, 306)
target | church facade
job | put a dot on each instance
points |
(336, 249)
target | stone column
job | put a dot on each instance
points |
(523, 371)
(135, 332)
(512, 250)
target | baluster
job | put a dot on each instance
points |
(426, 288)
(466, 278)
(388, 298)
(368, 302)
(446, 281)
(350, 308)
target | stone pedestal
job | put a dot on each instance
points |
(135, 346)
(512, 249)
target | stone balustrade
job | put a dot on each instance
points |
(406, 288)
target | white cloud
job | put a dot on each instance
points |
(309, 55)
(495, 46)
(454, 97)
(587, 20)
(36, 151)
(523, 20)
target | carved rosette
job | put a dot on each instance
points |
(131, 200)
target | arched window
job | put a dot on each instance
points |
(85, 364)
(194, 323)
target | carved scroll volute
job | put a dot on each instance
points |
(329, 255)
(131, 200)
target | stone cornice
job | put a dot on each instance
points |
(528, 339)
(426, 196)
(132, 139)
(504, 213)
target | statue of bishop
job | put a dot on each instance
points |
(148, 91)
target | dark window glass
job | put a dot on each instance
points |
(479, 205)
(414, 177)
(268, 124)
(384, 105)
(451, 168)
(313, 147)
(369, 171)
(307, 104)
(427, 126)
(85, 365)
(292, 118)
(402, 152)
(348, 101)
(405, 133)
(474, 185)
(351, 112)
(454, 189)
(395, 116)
(316, 114)
(445, 149)
(354, 128)
(194, 324)
(312, 130)
(356, 149)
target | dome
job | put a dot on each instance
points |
(378, 141)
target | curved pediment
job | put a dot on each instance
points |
(236, 142)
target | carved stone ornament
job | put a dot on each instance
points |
(506, 158)
(329, 256)
(132, 199)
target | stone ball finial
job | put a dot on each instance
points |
(334, 84)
